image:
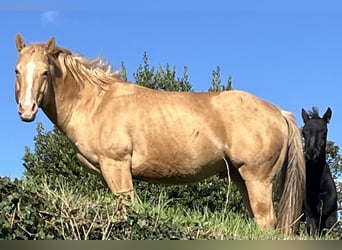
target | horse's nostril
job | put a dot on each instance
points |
(33, 106)
(27, 107)
(20, 108)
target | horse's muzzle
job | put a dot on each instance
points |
(28, 112)
(311, 155)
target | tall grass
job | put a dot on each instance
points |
(63, 210)
(99, 215)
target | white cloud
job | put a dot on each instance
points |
(48, 17)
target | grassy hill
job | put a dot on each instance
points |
(62, 210)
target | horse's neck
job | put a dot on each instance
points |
(314, 171)
(326, 175)
(65, 101)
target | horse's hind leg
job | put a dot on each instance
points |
(260, 199)
(239, 182)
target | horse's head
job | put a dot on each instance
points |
(315, 133)
(33, 76)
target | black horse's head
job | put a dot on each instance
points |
(315, 133)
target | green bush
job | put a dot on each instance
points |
(61, 211)
(20, 207)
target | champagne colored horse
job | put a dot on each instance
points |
(124, 131)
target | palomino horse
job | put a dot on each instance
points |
(320, 203)
(124, 131)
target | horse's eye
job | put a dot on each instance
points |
(16, 71)
(45, 73)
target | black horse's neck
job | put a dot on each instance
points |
(314, 171)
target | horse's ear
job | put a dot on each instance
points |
(305, 116)
(50, 45)
(19, 42)
(327, 115)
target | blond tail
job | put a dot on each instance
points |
(293, 175)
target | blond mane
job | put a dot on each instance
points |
(95, 71)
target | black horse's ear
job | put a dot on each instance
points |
(327, 115)
(305, 116)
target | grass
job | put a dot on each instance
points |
(71, 213)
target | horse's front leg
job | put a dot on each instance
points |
(311, 226)
(118, 176)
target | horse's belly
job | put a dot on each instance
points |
(176, 174)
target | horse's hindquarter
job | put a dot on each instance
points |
(256, 133)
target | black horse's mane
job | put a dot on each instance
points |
(313, 114)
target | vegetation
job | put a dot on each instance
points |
(61, 210)
(58, 199)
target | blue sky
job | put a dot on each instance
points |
(289, 53)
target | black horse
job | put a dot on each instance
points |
(320, 203)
